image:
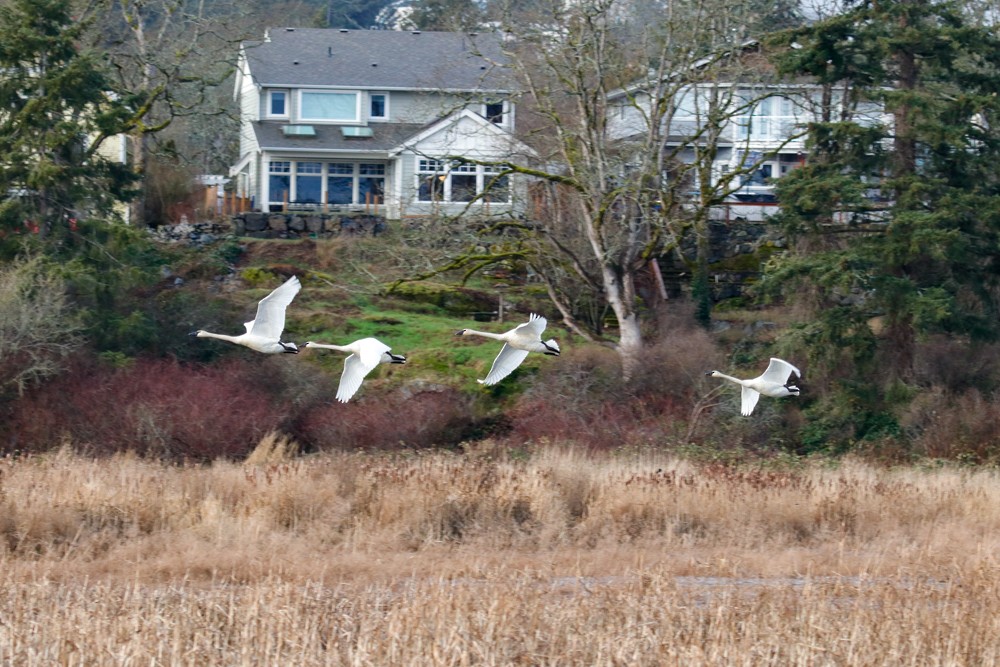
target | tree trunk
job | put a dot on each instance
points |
(620, 292)
(137, 207)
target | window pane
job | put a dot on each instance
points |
(463, 187)
(497, 189)
(761, 176)
(340, 168)
(329, 106)
(278, 104)
(377, 106)
(431, 188)
(339, 189)
(307, 189)
(278, 187)
(371, 190)
(494, 112)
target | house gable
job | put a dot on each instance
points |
(467, 134)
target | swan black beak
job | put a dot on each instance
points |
(460, 332)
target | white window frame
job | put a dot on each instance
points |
(355, 171)
(343, 121)
(276, 167)
(270, 103)
(771, 119)
(483, 173)
(504, 113)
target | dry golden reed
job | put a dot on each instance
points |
(559, 558)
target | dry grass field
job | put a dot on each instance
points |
(552, 558)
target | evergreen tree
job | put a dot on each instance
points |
(56, 110)
(894, 218)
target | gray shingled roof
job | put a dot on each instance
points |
(329, 137)
(378, 59)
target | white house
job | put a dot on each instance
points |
(762, 137)
(358, 119)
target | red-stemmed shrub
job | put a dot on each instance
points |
(436, 417)
(581, 397)
(152, 407)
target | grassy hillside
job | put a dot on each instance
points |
(346, 296)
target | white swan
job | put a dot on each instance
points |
(366, 354)
(518, 342)
(264, 331)
(776, 381)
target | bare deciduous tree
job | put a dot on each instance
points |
(172, 53)
(620, 179)
(37, 327)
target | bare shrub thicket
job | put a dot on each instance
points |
(957, 365)
(583, 397)
(38, 329)
(151, 407)
(958, 427)
(389, 420)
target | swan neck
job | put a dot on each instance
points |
(330, 346)
(484, 334)
(209, 334)
(728, 377)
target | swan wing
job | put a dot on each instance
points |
(778, 371)
(350, 380)
(358, 365)
(531, 329)
(270, 320)
(750, 397)
(370, 351)
(508, 359)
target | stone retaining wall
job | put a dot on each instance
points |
(306, 224)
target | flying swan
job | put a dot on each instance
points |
(366, 354)
(518, 342)
(264, 331)
(776, 381)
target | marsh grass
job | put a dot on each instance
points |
(549, 557)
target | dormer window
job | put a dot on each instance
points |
(277, 104)
(495, 111)
(378, 107)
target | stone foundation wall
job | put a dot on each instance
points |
(295, 225)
